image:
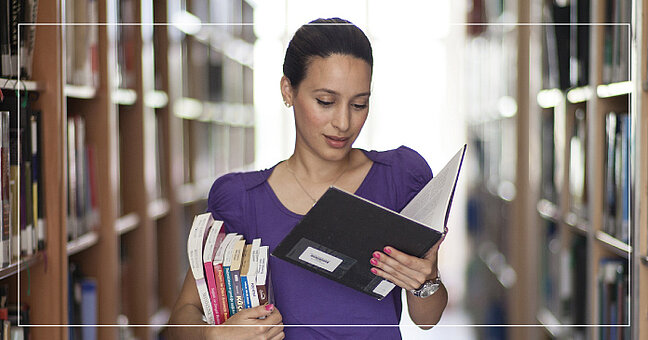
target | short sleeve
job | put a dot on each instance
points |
(413, 174)
(226, 201)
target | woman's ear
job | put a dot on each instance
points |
(286, 91)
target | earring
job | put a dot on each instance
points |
(287, 104)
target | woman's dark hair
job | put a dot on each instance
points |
(322, 38)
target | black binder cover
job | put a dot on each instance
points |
(338, 236)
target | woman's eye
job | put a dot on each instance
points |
(324, 103)
(359, 106)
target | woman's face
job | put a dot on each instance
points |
(330, 104)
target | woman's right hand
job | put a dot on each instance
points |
(270, 328)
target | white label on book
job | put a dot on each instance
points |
(320, 259)
(384, 287)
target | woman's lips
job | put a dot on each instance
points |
(336, 142)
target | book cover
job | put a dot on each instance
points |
(214, 239)
(245, 267)
(251, 275)
(5, 193)
(262, 275)
(88, 308)
(197, 236)
(219, 272)
(235, 273)
(362, 227)
(227, 273)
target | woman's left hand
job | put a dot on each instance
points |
(406, 271)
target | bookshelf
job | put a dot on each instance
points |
(153, 136)
(580, 195)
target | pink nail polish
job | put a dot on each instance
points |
(376, 255)
(387, 250)
(374, 262)
(269, 307)
(374, 270)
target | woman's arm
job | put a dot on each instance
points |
(410, 272)
(188, 311)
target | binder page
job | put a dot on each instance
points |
(431, 205)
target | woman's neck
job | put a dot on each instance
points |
(314, 169)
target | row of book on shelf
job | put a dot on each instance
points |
(617, 176)
(230, 274)
(566, 48)
(82, 304)
(12, 13)
(12, 315)
(614, 298)
(82, 208)
(21, 178)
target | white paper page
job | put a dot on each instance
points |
(430, 205)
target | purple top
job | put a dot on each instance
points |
(248, 206)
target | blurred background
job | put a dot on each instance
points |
(115, 132)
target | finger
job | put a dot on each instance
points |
(257, 312)
(410, 266)
(394, 279)
(274, 318)
(410, 279)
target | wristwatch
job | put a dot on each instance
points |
(428, 288)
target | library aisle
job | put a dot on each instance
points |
(126, 111)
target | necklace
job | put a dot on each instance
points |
(302, 186)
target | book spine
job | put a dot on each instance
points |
(237, 288)
(197, 236)
(263, 294)
(231, 305)
(246, 291)
(213, 293)
(222, 290)
(6, 218)
(88, 308)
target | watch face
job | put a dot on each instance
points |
(429, 290)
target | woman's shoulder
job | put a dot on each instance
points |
(238, 182)
(404, 158)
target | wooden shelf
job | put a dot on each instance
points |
(159, 320)
(82, 243)
(79, 91)
(550, 98)
(194, 192)
(614, 89)
(156, 99)
(613, 244)
(551, 323)
(24, 263)
(127, 223)
(548, 210)
(580, 94)
(158, 209)
(27, 85)
(497, 264)
(124, 96)
(577, 224)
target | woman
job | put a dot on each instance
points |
(327, 80)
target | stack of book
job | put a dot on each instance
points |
(614, 298)
(12, 13)
(81, 55)
(11, 315)
(83, 209)
(82, 304)
(230, 274)
(617, 176)
(20, 138)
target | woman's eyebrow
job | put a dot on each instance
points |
(336, 93)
